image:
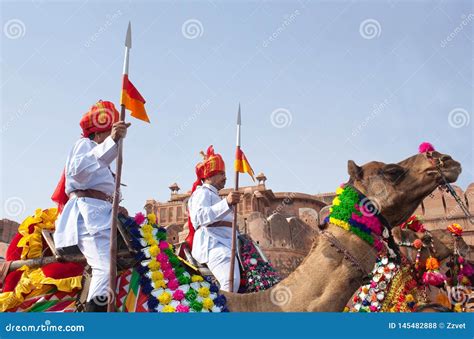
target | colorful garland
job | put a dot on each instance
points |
(355, 213)
(392, 289)
(164, 278)
(405, 293)
(259, 274)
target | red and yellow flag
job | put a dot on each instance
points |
(133, 100)
(241, 163)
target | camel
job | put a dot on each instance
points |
(325, 280)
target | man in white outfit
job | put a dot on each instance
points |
(210, 220)
(84, 195)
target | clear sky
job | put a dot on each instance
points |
(320, 82)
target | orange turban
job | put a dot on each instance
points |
(100, 118)
(211, 165)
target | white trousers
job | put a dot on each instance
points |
(96, 249)
(219, 264)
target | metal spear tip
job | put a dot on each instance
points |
(128, 39)
(239, 121)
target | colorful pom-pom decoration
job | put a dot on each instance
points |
(455, 229)
(425, 147)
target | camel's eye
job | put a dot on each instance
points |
(393, 172)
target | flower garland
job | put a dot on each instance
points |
(259, 274)
(164, 278)
(353, 212)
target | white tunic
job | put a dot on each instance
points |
(205, 208)
(87, 167)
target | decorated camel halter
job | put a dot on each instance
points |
(428, 149)
(354, 212)
(432, 275)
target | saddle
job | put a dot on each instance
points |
(124, 247)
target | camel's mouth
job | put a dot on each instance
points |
(450, 169)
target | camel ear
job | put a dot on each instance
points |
(355, 172)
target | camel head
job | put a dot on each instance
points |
(397, 189)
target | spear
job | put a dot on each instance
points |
(118, 177)
(234, 222)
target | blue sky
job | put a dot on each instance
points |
(319, 83)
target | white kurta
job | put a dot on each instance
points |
(87, 167)
(207, 207)
(85, 222)
(212, 245)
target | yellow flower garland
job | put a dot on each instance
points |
(204, 292)
(168, 309)
(207, 303)
(165, 298)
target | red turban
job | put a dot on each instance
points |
(100, 118)
(211, 165)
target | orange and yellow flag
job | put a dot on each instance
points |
(133, 100)
(241, 163)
